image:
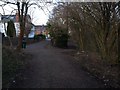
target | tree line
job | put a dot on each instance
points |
(93, 26)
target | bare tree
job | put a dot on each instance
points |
(104, 27)
(93, 22)
(22, 8)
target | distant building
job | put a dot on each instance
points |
(32, 32)
(40, 29)
(15, 18)
(4, 19)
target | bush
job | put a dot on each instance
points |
(36, 37)
(11, 29)
(39, 37)
(59, 38)
(42, 36)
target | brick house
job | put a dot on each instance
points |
(40, 29)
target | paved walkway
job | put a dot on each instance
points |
(50, 68)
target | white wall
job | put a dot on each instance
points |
(17, 27)
(32, 33)
(2, 28)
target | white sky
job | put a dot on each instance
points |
(39, 17)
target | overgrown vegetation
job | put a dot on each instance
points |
(39, 37)
(12, 63)
(59, 37)
(94, 27)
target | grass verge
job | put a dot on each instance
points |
(12, 63)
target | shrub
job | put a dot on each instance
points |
(36, 37)
(60, 38)
(11, 29)
(42, 36)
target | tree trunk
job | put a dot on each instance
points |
(22, 21)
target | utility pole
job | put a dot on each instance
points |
(67, 23)
(3, 21)
(67, 17)
(10, 42)
(119, 34)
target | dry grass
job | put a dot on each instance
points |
(12, 63)
(104, 70)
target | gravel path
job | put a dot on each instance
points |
(50, 68)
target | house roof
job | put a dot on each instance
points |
(40, 27)
(6, 18)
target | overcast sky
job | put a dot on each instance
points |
(39, 16)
